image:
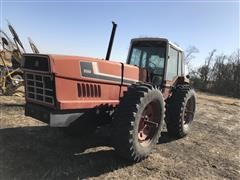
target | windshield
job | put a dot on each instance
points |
(147, 55)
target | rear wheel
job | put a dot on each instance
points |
(137, 122)
(180, 112)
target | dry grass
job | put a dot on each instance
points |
(31, 150)
(219, 99)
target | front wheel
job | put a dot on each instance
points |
(137, 122)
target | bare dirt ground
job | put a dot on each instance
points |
(31, 150)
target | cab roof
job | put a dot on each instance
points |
(158, 39)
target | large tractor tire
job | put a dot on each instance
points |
(137, 122)
(180, 110)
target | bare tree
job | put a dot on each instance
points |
(219, 74)
(236, 79)
(190, 51)
(204, 70)
(210, 58)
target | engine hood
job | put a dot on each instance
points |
(82, 68)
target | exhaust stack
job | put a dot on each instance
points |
(111, 41)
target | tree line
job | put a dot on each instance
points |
(219, 74)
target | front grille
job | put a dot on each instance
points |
(39, 87)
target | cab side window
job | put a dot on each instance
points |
(172, 66)
(179, 63)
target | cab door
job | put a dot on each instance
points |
(173, 69)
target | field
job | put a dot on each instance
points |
(31, 150)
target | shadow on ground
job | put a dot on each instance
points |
(12, 105)
(46, 153)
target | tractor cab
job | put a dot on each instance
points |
(161, 59)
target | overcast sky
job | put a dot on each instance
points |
(83, 27)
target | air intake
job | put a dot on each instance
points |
(88, 90)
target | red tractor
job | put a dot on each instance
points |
(80, 93)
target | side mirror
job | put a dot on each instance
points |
(187, 76)
(4, 42)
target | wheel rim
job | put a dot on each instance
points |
(148, 124)
(189, 112)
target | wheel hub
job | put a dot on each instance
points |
(147, 126)
(189, 111)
